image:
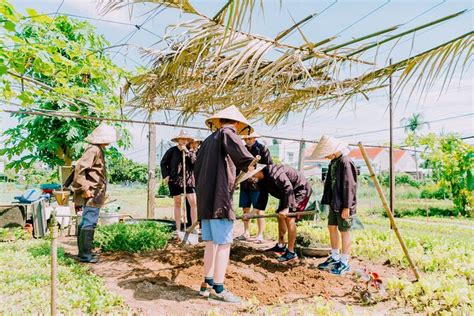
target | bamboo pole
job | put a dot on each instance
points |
(53, 228)
(150, 210)
(387, 209)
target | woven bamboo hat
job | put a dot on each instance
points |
(253, 135)
(327, 146)
(230, 113)
(250, 174)
(103, 134)
(182, 135)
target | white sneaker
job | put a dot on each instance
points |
(225, 296)
(205, 290)
(259, 239)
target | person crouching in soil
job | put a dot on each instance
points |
(215, 169)
(293, 190)
(340, 190)
(249, 190)
(89, 186)
(172, 172)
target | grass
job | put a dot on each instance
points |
(443, 254)
(25, 283)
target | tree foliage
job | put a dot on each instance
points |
(121, 169)
(452, 164)
(53, 65)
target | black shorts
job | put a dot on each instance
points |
(177, 190)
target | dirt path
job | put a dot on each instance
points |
(166, 282)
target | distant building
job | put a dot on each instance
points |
(379, 158)
(285, 151)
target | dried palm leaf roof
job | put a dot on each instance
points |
(210, 63)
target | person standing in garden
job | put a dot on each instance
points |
(219, 156)
(249, 190)
(340, 190)
(293, 190)
(90, 186)
(172, 172)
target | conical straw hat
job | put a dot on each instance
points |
(103, 134)
(182, 135)
(327, 146)
(250, 174)
(230, 113)
(253, 135)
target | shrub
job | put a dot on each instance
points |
(434, 192)
(400, 179)
(139, 237)
(163, 190)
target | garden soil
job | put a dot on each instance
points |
(166, 282)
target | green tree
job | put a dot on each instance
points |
(413, 125)
(53, 65)
(452, 164)
(121, 169)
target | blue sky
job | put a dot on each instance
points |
(350, 19)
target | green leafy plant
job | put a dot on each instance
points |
(54, 65)
(139, 237)
(163, 190)
(452, 163)
(121, 169)
(434, 191)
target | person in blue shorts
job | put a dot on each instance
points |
(219, 157)
(249, 190)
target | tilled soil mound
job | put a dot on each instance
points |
(176, 273)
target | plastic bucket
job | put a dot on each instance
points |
(109, 218)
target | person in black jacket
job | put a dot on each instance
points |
(172, 172)
(293, 190)
(340, 189)
(249, 190)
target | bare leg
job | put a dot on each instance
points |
(333, 236)
(346, 242)
(291, 226)
(209, 259)
(281, 230)
(260, 223)
(246, 223)
(177, 211)
(192, 202)
(221, 262)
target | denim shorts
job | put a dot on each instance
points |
(219, 231)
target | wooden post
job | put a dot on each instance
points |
(53, 228)
(389, 212)
(150, 211)
(301, 156)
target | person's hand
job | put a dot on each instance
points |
(283, 213)
(251, 168)
(246, 217)
(345, 213)
(166, 180)
(87, 194)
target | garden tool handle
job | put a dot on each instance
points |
(183, 200)
(242, 174)
(192, 227)
(276, 215)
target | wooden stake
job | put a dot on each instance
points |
(53, 228)
(150, 211)
(389, 212)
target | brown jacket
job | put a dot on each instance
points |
(345, 192)
(90, 174)
(215, 172)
